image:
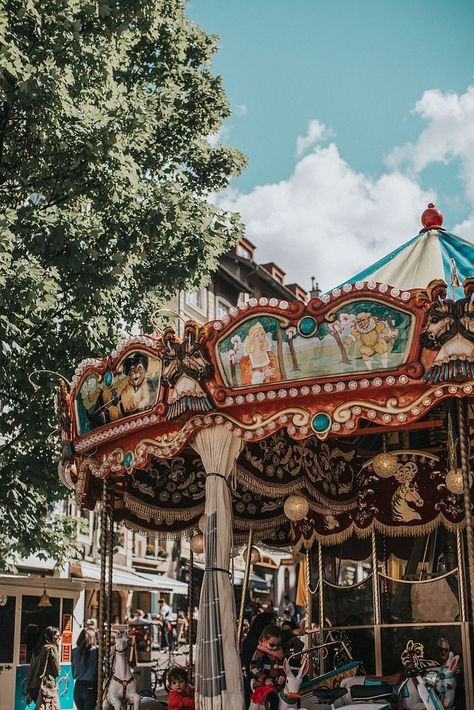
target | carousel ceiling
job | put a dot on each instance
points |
(299, 385)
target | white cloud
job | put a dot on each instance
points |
(448, 136)
(316, 133)
(220, 136)
(241, 110)
(327, 220)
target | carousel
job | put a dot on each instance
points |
(339, 429)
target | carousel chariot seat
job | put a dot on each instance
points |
(371, 692)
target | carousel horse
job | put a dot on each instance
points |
(435, 688)
(289, 696)
(428, 685)
(121, 688)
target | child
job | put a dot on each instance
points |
(266, 667)
(181, 693)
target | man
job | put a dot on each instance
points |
(443, 651)
(166, 628)
(289, 608)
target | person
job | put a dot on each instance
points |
(166, 629)
(84, 670)
(290, 637)
(266, 668)
(289, 609)
(44, 667)
(269, 606)
(443, 651)
(252, 639)
(250, 643)
(181, 692)
(259, 364)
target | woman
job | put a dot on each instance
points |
(84, 670)
(259, 364)
(44, 667)
(250, 644)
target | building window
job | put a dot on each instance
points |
(150, 550)
(197, 299)
(222, 309)
(244, 252)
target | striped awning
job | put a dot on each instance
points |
(432, 254)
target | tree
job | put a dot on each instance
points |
(106, 109)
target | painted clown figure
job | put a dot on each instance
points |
(370, 333)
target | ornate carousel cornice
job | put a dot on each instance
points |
(196, 382)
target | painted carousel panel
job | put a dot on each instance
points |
(130, 388)
(359, 336)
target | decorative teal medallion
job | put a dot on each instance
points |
(307, 326)
(321, 422)
(128, 459)
(108, 378)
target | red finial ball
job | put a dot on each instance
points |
(431, 217)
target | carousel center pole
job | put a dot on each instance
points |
(465, 466)
(245, 586)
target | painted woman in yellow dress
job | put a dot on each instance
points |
(259, 364)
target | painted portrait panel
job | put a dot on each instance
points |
(130, 389)
(362, 336)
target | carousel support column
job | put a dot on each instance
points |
(376, 601)
(218, 676)
(321, 603)
(102, 592)
(110, 571)
(191, 611)
(462, 587)
(464, 456)
(309, 598)
(245, 586)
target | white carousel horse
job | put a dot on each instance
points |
(432, 690)
(289, 695)
(122, 689)
(435, 689)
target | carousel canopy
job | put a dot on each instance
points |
(432, 254)
(276, 399)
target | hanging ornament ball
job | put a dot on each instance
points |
(385, 464)
(431, 217)
(197, 543)
(254, 555)
(296, 508)
(454, 482)
(202, 523)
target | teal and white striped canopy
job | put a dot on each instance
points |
(432, 254)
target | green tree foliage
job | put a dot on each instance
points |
(106, 108)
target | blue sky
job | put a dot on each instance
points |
(376, 95)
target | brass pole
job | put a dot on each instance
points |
(191, 611)
(102, 593)
(321, 586)
(461, 583)
(321, 605)
(309, 596)
(245, 586)
(375, 577)
(464, 455)
(110, 570)
(376, 601)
